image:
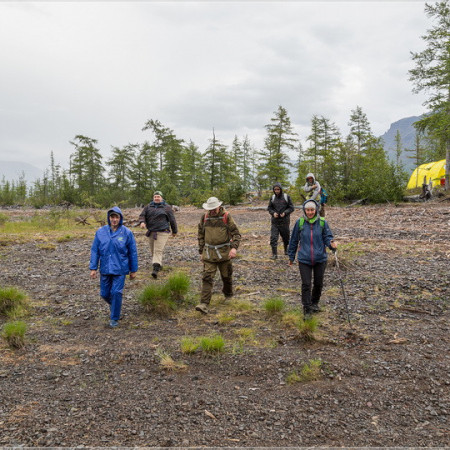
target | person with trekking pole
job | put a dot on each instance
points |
(310, 237)
(280, 208)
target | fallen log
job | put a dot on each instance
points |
(362, 201)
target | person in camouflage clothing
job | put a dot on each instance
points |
(218, 241)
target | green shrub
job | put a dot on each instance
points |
(189, 345)
(274, 305)
(212, 344)
(13, 302)
(14, 334)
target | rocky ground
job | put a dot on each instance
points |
(384, 379)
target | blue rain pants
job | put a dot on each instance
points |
(111, 290)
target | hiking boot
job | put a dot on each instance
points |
(202, 307)
(286, 251)
(113, 323)
(315, 308)
(274, 253)
(307, 312)
(156, 269)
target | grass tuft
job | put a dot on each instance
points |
(14, 333)
(189, 345)
(155, 298)
(212, 344)
(292, 319)
(274, 305)
(225, 318)
(308, 327)
(178, 285)
(309, 372)
(168, 363)
(164, 298)
(13, 302)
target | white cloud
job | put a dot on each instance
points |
(103, 69)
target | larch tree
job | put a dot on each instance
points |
(280, 139)
(431, 75)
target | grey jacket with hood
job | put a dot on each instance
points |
(313, 194)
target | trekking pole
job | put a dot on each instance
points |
(342, 286)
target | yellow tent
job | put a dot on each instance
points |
(433, 170)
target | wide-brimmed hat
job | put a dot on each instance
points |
(212, 203)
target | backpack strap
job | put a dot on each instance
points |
(224, 218)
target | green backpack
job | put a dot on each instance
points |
(301, 222)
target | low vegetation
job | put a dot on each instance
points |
(13, 302)
(310, 371)
(308, 327)
(14, 333)
(168, 363)
(274, 305)
(162, 299)
(212, 344)
(189, 345)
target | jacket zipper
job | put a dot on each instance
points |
(312, 246)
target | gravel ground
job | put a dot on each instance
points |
(384, 379)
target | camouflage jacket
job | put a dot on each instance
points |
(217, 234)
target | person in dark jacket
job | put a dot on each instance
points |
(159, 219)
(280, 208)
(310, 237)
(218, 241)
(114, 247)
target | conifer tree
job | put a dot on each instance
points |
(87, 167)
(431, 75)
(280, 139)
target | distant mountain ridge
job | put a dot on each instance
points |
(407, 133)
(13, 170)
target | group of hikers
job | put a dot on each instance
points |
(114, 247)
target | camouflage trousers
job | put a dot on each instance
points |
(209, 272)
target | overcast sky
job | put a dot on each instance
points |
(103, 69)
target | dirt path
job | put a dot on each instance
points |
(79, 383)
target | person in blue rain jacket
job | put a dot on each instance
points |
(309, 238)
(114, 247)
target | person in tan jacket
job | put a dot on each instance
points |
(218, 241)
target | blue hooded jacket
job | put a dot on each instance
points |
(116, 250)
(311, 241)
